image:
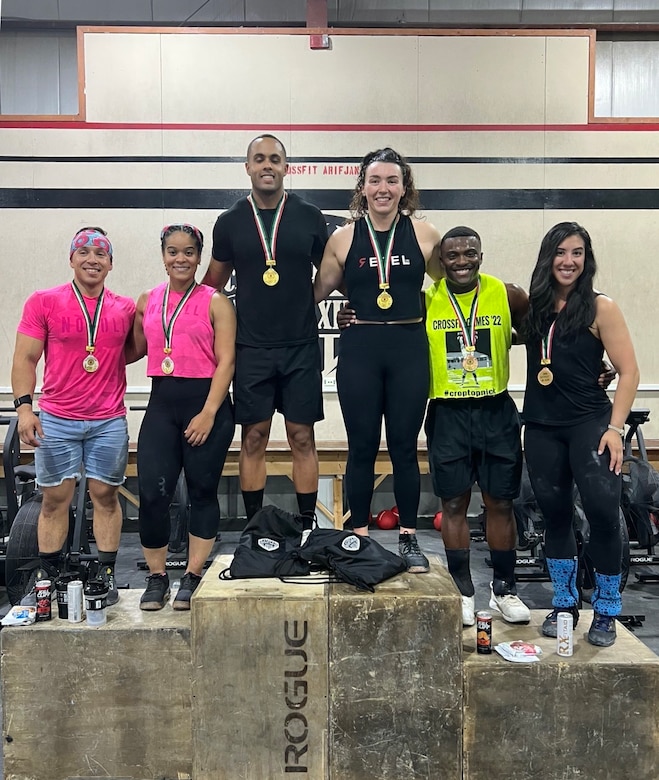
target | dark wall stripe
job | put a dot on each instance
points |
(320, 161)
(434, 200)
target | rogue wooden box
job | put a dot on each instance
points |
(108, 701)
(592, 716)
(326, 682)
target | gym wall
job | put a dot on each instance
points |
(498, 125)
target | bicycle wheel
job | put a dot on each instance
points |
(22, 547)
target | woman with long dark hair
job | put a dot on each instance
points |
(381, 256)
(573, 431)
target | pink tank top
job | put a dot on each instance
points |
(193, 337)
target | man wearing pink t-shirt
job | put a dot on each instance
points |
(81, 329)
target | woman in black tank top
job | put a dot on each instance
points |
(379, 258)
(573, 432)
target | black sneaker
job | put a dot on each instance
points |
(157, 592)
(189, 584)
(410, 552)
(106, 575)
(39, 571)
(602, 632)
(549, 625)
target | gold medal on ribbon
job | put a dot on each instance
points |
(167, 364)
(545, 376)
(90, 364)
(270, 277)
(470, 363)
(384, 300)
(269, 242)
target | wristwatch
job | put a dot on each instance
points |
(24, 399)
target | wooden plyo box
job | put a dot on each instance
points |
(108, 701)
(326, 682)
(592, 716)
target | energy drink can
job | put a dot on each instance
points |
(483, 633)
(74, 597)
(42, 591)
(564, 634)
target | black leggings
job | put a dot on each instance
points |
(383, 371)
(162, 451)
(559, 456)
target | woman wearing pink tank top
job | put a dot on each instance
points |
(188, 332)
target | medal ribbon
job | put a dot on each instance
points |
(546, 346)
(468, 331)
(384, 259)
(268, 242)
(168, 327)
(91, 323)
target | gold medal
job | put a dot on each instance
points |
(167, 365)
(270, 277)
(470, 363)
(90, 364)
(384, 300)
(545, 376)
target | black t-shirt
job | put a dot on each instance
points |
(408, 268)
(574, 395)
(283, 315)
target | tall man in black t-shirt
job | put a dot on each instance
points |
(271, 238)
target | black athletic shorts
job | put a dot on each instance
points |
(283, 379)
(474, 440)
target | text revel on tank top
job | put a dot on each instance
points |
(373, 261)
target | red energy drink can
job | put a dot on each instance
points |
(483, 633)
(42, 590)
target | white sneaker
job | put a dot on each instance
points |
(468, 606)
(512, 608)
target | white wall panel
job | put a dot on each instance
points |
(566, 88)
(123, 77)
(482, 80)
(227, 78)
(362, 79)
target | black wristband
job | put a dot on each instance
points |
(24, 399)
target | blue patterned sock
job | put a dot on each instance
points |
(606, 598)
(563, 573)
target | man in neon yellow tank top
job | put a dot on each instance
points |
(473, 426)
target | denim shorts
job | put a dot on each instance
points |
(101, 445)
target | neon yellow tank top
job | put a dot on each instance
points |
(449, 378)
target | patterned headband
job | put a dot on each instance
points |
(90, 238)
(186, 228)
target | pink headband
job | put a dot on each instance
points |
(90, 238)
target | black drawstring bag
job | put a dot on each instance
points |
(357, 560)
(267, 546)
